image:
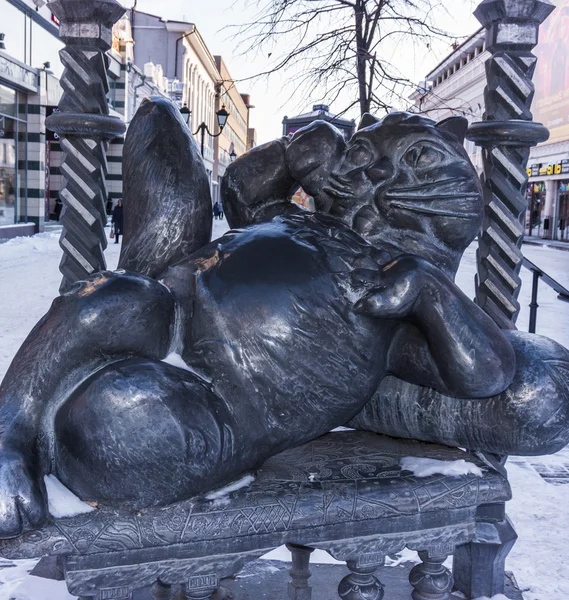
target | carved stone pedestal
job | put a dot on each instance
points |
(160, 591)
(298, 588)
(430, 579)
(360, 584)
(360, 507)
(479, 565)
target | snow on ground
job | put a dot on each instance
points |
(29, 281)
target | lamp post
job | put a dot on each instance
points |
(232, 155)
(222, 116)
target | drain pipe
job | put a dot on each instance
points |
(176, 53)
(135, 95)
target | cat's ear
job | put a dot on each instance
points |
(367, 121)
(456, 126)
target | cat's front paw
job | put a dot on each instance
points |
(23, 500)
(397, 288)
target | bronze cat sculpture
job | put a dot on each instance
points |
(281, 330)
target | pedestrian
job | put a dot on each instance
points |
(220, 210)
(117, 220)
(216, 210)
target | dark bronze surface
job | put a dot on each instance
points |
(288, 327)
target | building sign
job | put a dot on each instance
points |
(545, 170)
(17, 74)
(551, 79)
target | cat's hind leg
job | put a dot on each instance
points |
(142, 432)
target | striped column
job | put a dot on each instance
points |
(506, 136)
(85, 127)
(32, 203)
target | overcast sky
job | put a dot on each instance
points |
(273, 100)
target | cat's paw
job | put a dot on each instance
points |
(396, 289)
(23, 500)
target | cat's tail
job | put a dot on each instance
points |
(166, 192)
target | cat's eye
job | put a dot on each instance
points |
(424, 157)
(359, 154)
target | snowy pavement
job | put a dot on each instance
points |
(29, 281)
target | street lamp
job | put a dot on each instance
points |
(222, 116)
(186, 113)
(232, 155)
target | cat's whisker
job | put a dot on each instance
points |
(431, 198)
(334, 191)
(418, 188)
(428, 210)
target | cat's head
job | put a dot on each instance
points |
(405, 181)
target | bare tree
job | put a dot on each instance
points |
(348, 49)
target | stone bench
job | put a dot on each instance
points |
(344, 493)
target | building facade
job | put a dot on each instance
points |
(199, 80)
(149, 57)
(232, 141)
(128, 86)
(456, 87)
(29, 66)
(30, 154)
(179, 49)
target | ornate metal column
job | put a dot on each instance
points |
(506, 136)
(85, 128)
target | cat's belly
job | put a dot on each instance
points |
(272, 327)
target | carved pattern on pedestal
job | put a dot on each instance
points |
(430, 579)
(361, 584)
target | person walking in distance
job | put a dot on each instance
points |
(117, 220)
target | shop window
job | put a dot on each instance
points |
(563, 212)
(537, 222)
(13, 159)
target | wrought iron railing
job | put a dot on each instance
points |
(562, 292)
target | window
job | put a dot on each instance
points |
(27, 41)
(13, 163)
(14, 28)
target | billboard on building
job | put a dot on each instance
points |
(551, 79)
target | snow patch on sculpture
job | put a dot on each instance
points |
(63, 502)
(424, 467)
(176, 360)
(221, 494)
